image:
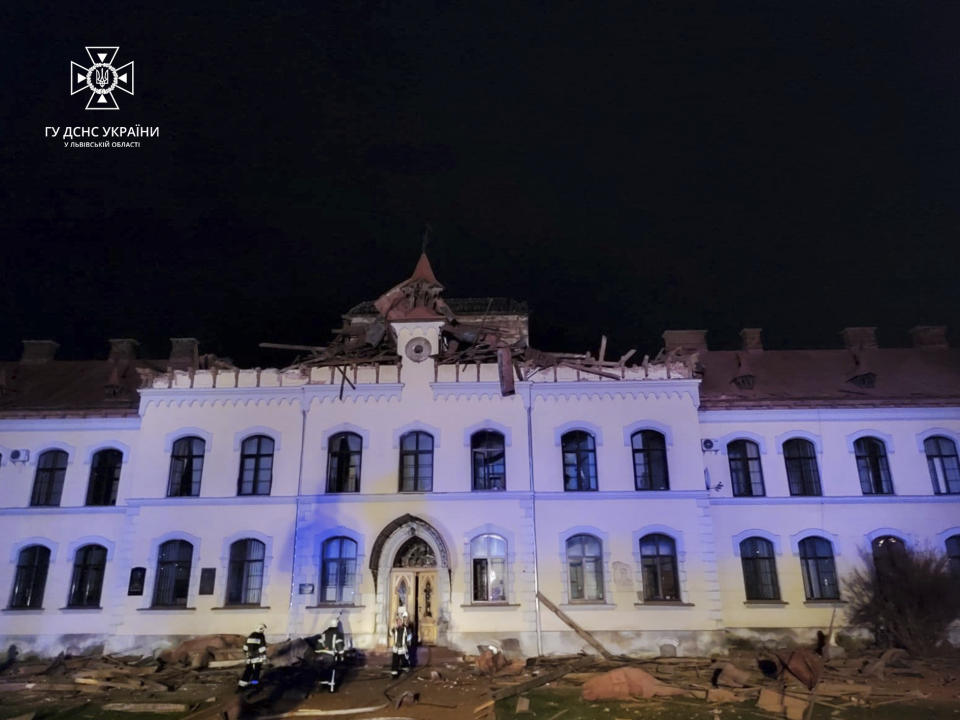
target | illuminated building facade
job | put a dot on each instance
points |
(429, 459)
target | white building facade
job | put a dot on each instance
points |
(673, 502)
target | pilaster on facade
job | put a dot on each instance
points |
(122, 565)
(708, 559)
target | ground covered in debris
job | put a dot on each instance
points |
(197, 681)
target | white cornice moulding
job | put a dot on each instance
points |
(582, 388)
(303, 395)
(65, 424)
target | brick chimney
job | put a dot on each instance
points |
(860, 338)
(930, 337)
(38, 351)
(184, 354)
(689, 340)
(752, 339)
(123, 349)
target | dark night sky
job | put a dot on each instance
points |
(625, 168)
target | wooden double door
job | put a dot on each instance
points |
(415, 590)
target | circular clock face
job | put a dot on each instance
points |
(418, 349)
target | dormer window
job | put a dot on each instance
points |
(865, 380)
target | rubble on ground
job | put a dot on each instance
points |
(197, 680)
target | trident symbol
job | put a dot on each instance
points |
(103, 77)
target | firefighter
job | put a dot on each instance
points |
(330, 648)
(256, 649)
(401, 636)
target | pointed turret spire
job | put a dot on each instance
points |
(416, 297)
(423, 271)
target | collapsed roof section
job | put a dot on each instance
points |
(473, 331)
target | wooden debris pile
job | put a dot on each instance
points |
(465, 341)
(175, 681)
(865, 682)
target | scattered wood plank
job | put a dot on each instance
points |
(594, 643)
(146, 707)
(214, 664)
(541, 679)
(42, 687)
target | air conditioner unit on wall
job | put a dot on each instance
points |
(709, 445)
(19, 455)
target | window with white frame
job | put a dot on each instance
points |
(819, 569)
(579, 461)
(48, 481)
(172, 582)
(889, 559)
(344, 451)
(585, 566)
(649, 460)
(746, 473)
(803, 475)
(104, 477)
(487, 459)
(488, 555)
(256, 466)
(943, 464)
(759, 569)
(338, 570)
(872, 466)
(658, 557)
(86, 583)
(30, 578)
(416, 462)
(245, 572)
(186, 467)
(953, 553)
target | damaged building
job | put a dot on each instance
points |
(430, 458)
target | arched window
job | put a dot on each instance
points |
(585, 564)
(174, 562)
(487, 455)
(953, 553)
(31, 577)
(759, 569)
(889, 552)
(943, 464)
(245, 574)
(579, 461)
(104, 477)
(48, 482)
(338, 570)
(819, 569)
(658, 555)
(649, 460)
(343, 462)
(488, 554)
(803, 476)
(746, 473)
(86, 584)
(873, 467)
(186, 467)
(256, 466)
(416, 462)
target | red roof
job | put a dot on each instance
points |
(423, 271)
(58, 387)
(821, 378)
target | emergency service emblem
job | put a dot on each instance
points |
(102, 78)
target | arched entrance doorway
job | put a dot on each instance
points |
(413, 588)
(411, 570)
